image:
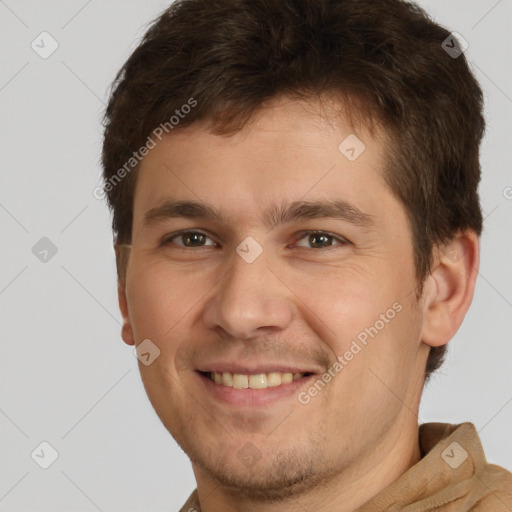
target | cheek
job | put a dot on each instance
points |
(368, 320)
(378, 365)
(158, 300)
(385, 359)
(347, 303)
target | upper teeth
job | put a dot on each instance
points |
(257, 381)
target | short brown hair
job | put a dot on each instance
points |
(231, 56)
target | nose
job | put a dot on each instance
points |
(249, 301)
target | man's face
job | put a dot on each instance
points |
(339, 303)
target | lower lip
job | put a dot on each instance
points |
(253, 397)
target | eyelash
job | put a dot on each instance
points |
(303, 234)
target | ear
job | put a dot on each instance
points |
(122, 254)
(126, 329)
(449, 289)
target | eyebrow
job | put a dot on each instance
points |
(274, 216)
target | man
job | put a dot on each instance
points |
(296, 222)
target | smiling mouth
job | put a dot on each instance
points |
(254, 381)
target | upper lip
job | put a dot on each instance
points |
(252, 369)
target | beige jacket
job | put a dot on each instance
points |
(452, 476)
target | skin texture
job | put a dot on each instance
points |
(302, 301)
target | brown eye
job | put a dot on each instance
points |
(189, 239)
(321, 240)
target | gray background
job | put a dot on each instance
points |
(66, 377)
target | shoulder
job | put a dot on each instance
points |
(496, 489)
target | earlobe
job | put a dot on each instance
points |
(127, 329)
(449, 288)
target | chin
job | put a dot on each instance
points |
(265, 480)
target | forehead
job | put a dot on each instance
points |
(289, 150)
